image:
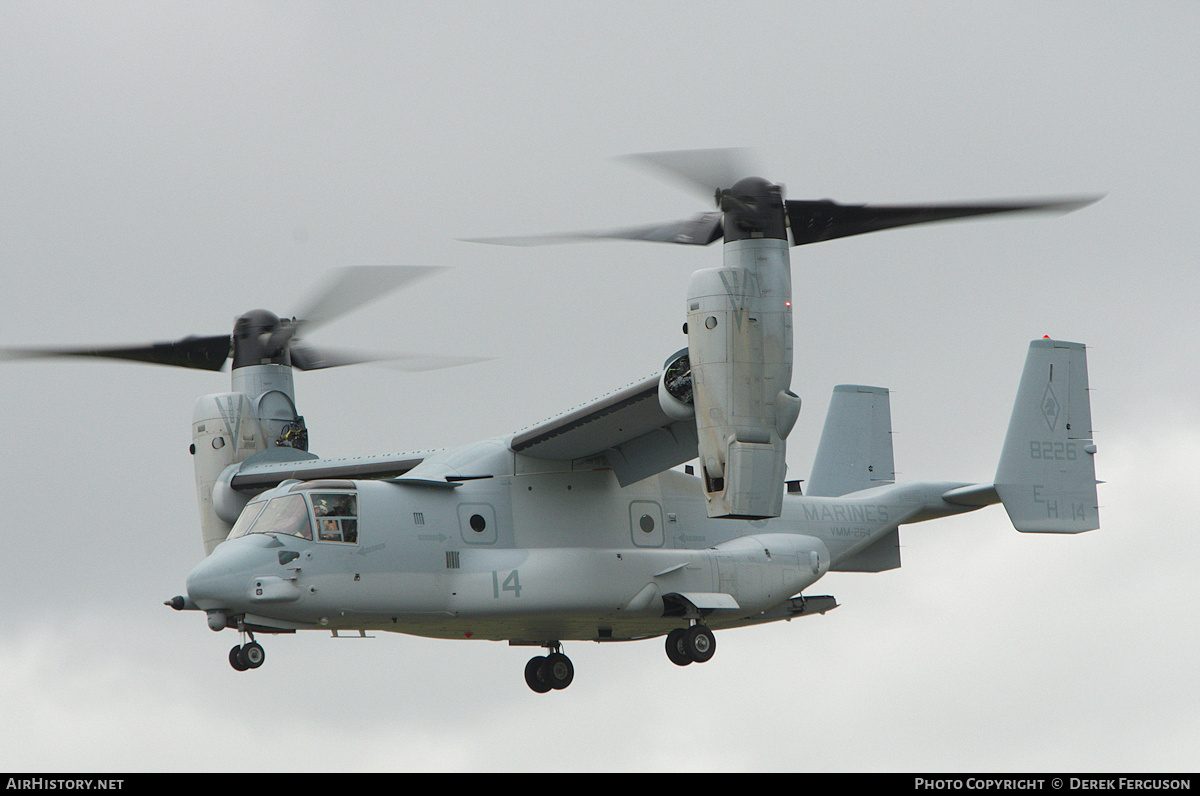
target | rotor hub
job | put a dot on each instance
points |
(256, 340)
(753, 208)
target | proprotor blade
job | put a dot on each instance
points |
(348, 289)
(354, 286)
(203, 353)
(699, 230)
(704, 170)
(815, 221)
(305, 357)
(727, 175)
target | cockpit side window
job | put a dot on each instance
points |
(337, 516)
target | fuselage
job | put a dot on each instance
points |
(530, 555)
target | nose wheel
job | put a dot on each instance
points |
(247, 656)
(552, 672)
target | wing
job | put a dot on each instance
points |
(626, 427)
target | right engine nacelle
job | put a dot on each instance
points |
(225, 431)
(740, 352)
(229, 428)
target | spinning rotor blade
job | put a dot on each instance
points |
(700, 230)
(726, 175)
(203, 353)
(355, 286)
(705, 170)
(416, 363)
(814, 221)
(347, 290)
(306, 357)
(261, 336)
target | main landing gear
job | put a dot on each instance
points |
(554, 672)
(695, 644)
(550, 672)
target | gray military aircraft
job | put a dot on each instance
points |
(579, 528)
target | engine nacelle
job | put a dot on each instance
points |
(229, 428)
(740, 352)
(224, 432)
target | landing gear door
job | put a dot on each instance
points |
(646, 523)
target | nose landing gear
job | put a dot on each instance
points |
(247, 656)
(551, 672)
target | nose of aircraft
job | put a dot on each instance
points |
(221, 581)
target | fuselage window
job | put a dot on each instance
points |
(337, 517)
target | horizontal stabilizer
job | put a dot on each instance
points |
(1047, 475)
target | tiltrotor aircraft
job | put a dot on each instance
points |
(578, 529)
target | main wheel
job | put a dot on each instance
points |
(235, 659)
(676, 651)
(558, 670)
(536, 675)
(700, 643)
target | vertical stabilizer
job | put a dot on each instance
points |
(1047, 476)
(855, 451)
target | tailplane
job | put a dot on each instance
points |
(1047, 476)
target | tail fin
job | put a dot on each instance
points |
(855, 451)
(1047, 477)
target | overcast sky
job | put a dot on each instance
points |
(165, 166)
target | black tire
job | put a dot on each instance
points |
(676, 651)
(253, 655)
(700, 643)
(535, 675)
(559, 671)
(235, 659)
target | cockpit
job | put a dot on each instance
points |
(308, 512)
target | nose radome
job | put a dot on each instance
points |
(207, 581)
(221, 580)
